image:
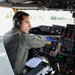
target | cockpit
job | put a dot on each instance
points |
(52, 19)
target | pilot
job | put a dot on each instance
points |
(18, 41)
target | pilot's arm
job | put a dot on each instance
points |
(34, 41)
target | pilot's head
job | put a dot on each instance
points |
(21, 21)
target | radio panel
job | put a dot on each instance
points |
(68, 40)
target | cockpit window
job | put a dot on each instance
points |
(5, 20)
(37, 18)
(50, 17)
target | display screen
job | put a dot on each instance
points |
(49, 40)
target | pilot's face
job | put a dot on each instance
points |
(25, 25)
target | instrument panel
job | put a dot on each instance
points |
(60, 50)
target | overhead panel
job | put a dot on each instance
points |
(40, 4)
(57, 4)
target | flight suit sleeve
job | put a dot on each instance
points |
(35, 41)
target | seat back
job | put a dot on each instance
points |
(5, 66)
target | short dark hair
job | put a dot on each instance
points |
(18, 17)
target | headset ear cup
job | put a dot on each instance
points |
(16, 23)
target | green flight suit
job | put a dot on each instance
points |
(17, 45)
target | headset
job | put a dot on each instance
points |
(17, 21)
